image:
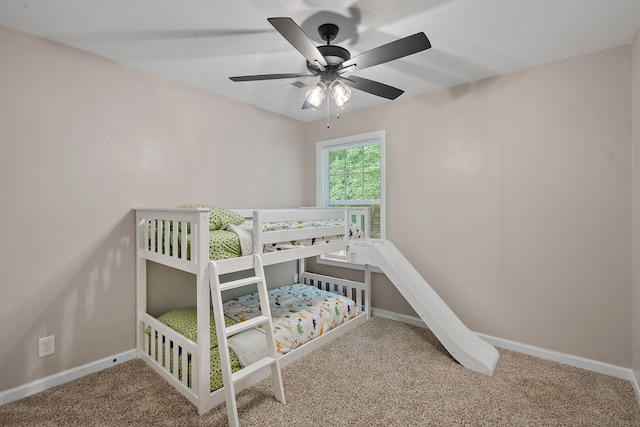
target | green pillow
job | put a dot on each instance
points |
(223, 244)
(218, 217)
(185, 321)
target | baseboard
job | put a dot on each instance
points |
(567, 359)
(543, 353)
(411, 320)
(64, 377)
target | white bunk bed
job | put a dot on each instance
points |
(179, 238)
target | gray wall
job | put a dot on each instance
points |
(84, 140)
(512, 197)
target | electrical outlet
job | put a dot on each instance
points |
(47, 346)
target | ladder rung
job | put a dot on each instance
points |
(250, 369)
(247, 324)
(240, 282)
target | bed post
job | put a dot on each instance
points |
(257, 236)
(367, 294)
(141, 282)
(302, 267)
(202, 373)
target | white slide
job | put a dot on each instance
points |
(465, 346)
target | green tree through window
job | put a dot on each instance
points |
(354, 174)
(351, 174)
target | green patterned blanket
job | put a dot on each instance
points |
(184, 321)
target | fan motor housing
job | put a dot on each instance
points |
(334, 55)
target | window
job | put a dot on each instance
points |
(350, 171)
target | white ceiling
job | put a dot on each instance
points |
(203, 42)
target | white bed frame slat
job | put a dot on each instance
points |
(303, 233)
(183, 239)
(153, 225)
(281, 215)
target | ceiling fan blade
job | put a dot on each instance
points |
(372, 87)
(388, 52)
(298, 39)
(269, 77)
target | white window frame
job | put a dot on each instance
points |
(322, 179)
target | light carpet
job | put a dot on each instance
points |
(384, 373)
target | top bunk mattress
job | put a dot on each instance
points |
(231, 234)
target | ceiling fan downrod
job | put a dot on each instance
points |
(328, 32)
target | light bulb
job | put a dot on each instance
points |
(340, 93)
(316, 95)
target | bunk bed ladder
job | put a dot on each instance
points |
(223, 332)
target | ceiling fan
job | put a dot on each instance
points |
(333, 64)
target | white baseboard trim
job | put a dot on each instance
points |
(543, 353)
(564, 358)
(64, 377)
(411, 320)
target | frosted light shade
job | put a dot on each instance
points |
(316, 95)
(340, 93)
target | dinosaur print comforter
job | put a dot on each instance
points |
(300, 313)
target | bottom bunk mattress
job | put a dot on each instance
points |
(299, 313)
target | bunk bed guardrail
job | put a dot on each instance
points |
(173, 236)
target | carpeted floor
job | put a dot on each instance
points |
(383, 373)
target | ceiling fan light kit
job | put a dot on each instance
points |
(315, 96)
(333, 64)
(340, 94)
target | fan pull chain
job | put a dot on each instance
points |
(328, 113)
